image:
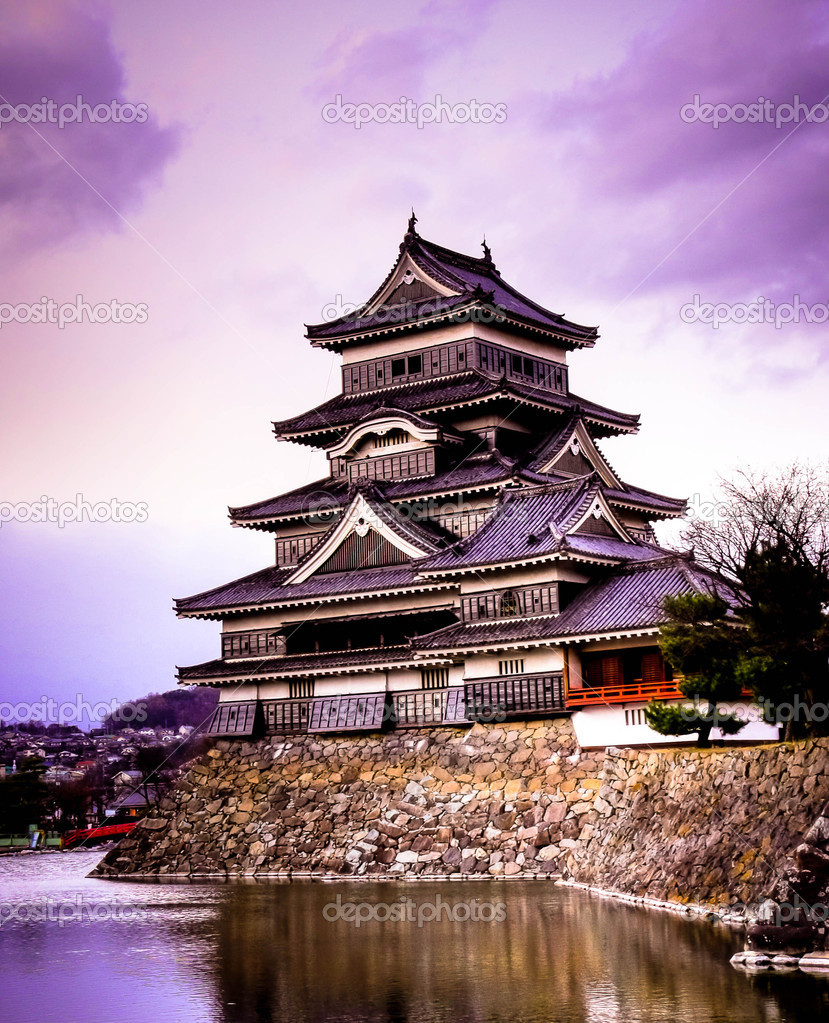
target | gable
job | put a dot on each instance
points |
(368, 535)
(407, 283)
(410, 289)
(369, 551)
(600, 520)
(573, 461)
(596, 527)
(580, 456)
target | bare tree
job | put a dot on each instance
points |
(770, 535)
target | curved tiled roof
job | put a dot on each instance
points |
(295, 664)
(437, 395)
(628, 600)
(269, 587)
(331, 493)
(471, 280)
(534, 522)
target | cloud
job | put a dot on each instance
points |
(380, 66)
(49, 174)
(624, 133)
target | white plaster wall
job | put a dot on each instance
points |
(414, 340)
(598, 727)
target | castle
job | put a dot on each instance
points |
(471, 555)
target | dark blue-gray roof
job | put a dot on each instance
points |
(473, 281)
(340, 413)
(627, 600)
(535, 522)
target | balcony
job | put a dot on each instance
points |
(511, 696)
(627, 692)
(636, 691)
(418, 707)
(486, 699)
(354, 713)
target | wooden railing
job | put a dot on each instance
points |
(286, 715)
(428, 707)
(486, 699)
(631, 692)
(627, 692)
(495, 699)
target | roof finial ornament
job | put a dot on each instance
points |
(411, 232)
(487, 252)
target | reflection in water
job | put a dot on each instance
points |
(558, 955)
(250, 952)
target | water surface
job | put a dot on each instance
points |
(257, 951)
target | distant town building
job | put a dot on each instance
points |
(471, 554)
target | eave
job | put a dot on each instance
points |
(316, 601)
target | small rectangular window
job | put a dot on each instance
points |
(398, 368)
(300, 688)
(434, 678)
(514, 666)
(415, 363)
(529, 365)
(516, 363)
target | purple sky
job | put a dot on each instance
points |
(235, 213)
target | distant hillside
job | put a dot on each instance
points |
(165, 710)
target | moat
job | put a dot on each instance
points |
(256, 951)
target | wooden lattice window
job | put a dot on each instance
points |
(514, 666)
(434, 678)
(300, 688)
(509, 604)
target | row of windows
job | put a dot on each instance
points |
(625, 667)
(463, 523)
(434, 678)
(387, 467)
(550, 375)
(513, 666)
(289, 552)
(530, 600)
(300, 688)
(252, 644)
(429, 362)
(454, 358)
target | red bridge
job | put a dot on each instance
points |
(90, 836)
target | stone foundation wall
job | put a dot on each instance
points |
(703, 826)
(481, 800)
(517, 800)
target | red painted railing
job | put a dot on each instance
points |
(629, 692)
(83, 835)
(625, 693)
